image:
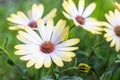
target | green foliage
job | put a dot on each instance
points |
(93, 49)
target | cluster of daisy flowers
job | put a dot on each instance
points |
(43, 42)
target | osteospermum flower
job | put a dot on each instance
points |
(21, 20)
(47, 46)
(113, 29)
(81, 16)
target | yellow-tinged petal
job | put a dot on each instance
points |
(51, 14)
(88, 11)
(74, 9)
(66, 15)
(117, 5)
(67, 48)
(81, 6)
(58, 30)
(57, 60)
(63, 55)
(69, 42)
(30, 63)
(14, 28)
(71, 54)
(47, 61)
(38, 65)
(21, 14)
(66, 6)
(66, 33)
(113, 43)
(109, 39)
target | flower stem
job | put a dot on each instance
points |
(37, 75)
(94, 74)
(6, 52)
(48, 72)
(69, 69)
(53, 71)
(109, 66)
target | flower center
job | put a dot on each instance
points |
(117, 30)
(80, 20)
(33, 24)
(47, 47)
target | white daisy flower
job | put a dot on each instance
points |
(21, 20)
(46, 47)
(113, 29)
(81, 16)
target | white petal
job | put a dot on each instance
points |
(33, 34)
(110, 18)
(73, 7)
(63, 55)
(37, 11)
(30, 63)
(66, 48)
(117, 17)
(89, 10)
(81, 6)
(93, 26)
(51, 14)
(22, 15)
(28, 57)
(58, 30)
(68, 8)
(28, 37)
(24, 40)
(66, 15)
(47, 61)
(49, 29)
(39, 61)
(69, 42)
(18, 21)
(18, 18)
(113, 42)
(62, 35)
(27, 46)
(42, 30)
(107, 25)
(26, 52)
(56, 59)
(14, 28)
(117, 47)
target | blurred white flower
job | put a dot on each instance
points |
(81, 17)
(113, 29)
(21, 20)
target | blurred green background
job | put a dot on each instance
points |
(99, 58)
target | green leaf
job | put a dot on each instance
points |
(70, 78)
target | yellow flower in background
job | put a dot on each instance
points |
(47, 46)
(80, 16)
(20, 20)
(113, 29)
(117, 5)
(83, 67)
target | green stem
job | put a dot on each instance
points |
(69, 69)
(48, 72)
(37, 75)
(101, 42)
(53, 71)
(75, 63)
(109, 66)
(94, 74)
(6, 52)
